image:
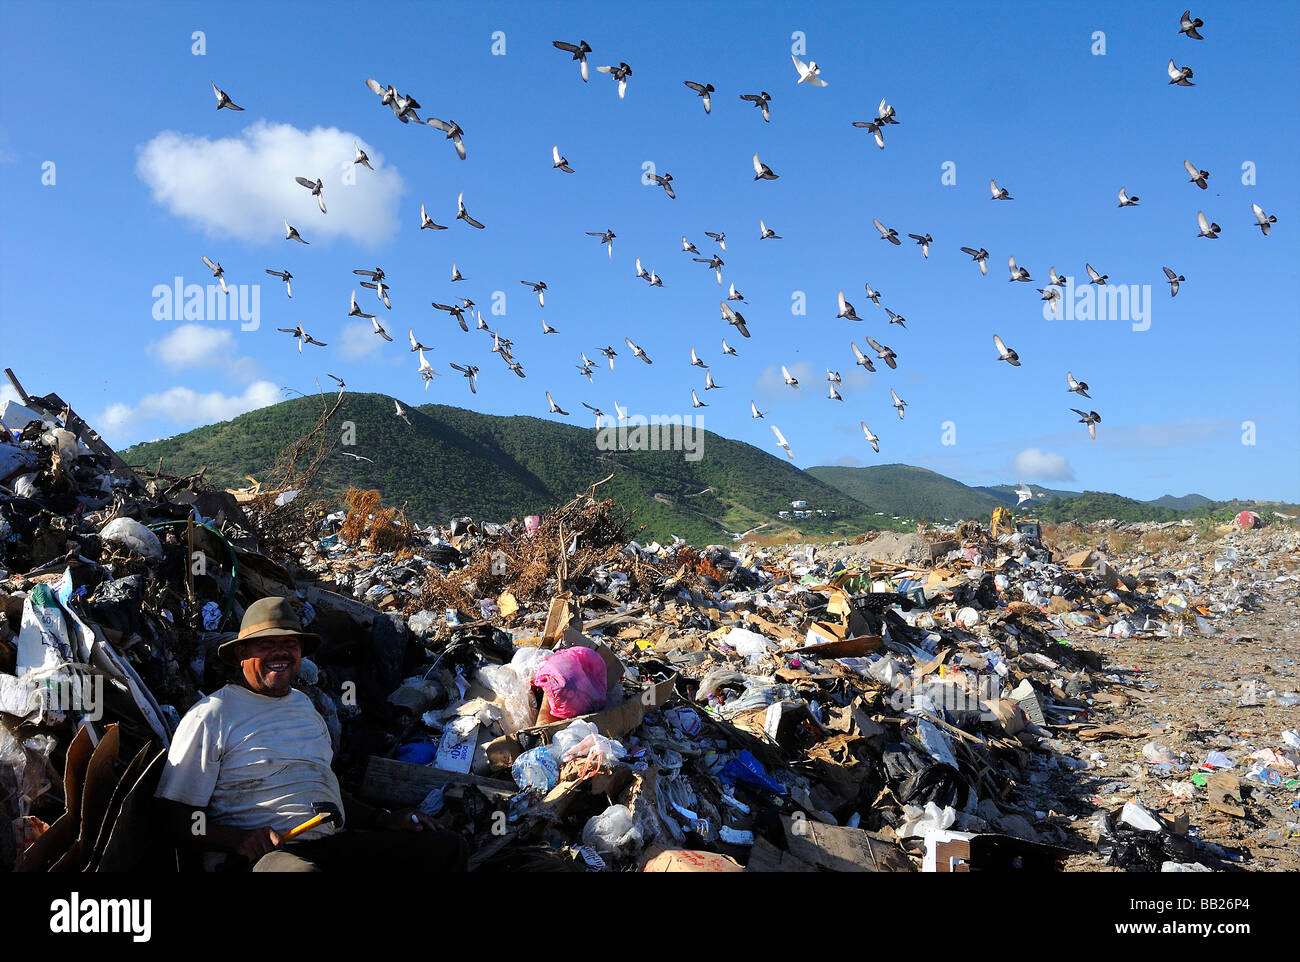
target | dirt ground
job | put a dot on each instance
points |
(1186, 694)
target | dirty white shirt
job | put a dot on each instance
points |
(253, 760)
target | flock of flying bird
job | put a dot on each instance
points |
(405, 107)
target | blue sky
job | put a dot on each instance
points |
(148, 177)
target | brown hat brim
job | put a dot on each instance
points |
(310, 642)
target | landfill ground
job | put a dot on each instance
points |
(1108, 697)
(1191, 689)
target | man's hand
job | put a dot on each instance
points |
(405, 820)
(257, 843)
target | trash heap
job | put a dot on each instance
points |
(574, 700)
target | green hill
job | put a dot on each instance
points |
(450, 462)
(1007, 493)
(900, 489)
(1184, 503)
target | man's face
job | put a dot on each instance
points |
(271, 665)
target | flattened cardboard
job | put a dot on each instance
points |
(840, 849)
(59, 837)
(688, 860)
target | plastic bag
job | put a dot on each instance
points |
(537, 769)
(612, 832)
(514, 693)
(569, 738)
(574, 682)
(1158, 754)
(748, 643)
(527, 660)
(596, 752)
(134, 535)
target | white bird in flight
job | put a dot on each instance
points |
(781, 442)
(871, 438)
(223, 99)
(809, 73)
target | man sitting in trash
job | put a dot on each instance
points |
(254, 759)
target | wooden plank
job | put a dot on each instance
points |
(402, 783)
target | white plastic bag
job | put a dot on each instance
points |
(612, 832)
(569, 738)
(514, 693)
(134, 535)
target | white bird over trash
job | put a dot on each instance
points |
(606, 238)
(734, 318)
(883, 353)
(379, 329)
(284, 276)
(317, 189)
(453, 132)
(558, 162)
(762, 171)
(754, 412)
(924, 240)
(1173, 280)
(470, 372)
(688, 247)
(874, 126)
(463, 214)
(361, 156)
(728, 349)
(762, 101)
(1125, 200)
(1186, 25)
(695, 400)
(719, 239)
(1207, 229)
(456, 275)
(1078, 387)
(539, 288)
(871, 438)
(416, 345)
(733, 294)
(873, 296)
(834, 395)
(636, 351)
(620, 74)
(1005, 353)
(1196, 175)
(703, 90)
(781, 442)
(887, 233)
(846, 309)
(301, 336)
(809, 73)
(789, 378)
(695, 359)
(291, 233)
(555, 408)
(1180, 75)
(218, 272)
(426, 370)
(765, 232)
(1093, 276)
(610, 353)
(1090, 418)
(1263, 221)
(860, 358)
(999, 193)
(899, 403)
(223, 99)
(356, 457)
(1017, 273)
(579, 51)
(355, 310)
(709, 383)
(1024, 493)
(546, 328)
(401, 411)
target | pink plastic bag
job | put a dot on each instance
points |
(574, 682)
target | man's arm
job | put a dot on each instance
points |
(189, 828)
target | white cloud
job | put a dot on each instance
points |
(1036, 463)
(185, 408)
(196, 346)
(359, 340)
(243, 186)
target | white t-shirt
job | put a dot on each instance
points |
(253, 760)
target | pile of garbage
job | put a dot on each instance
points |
(573, 700)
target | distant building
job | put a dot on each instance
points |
(783, 514)
(798, 504)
